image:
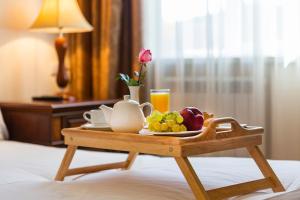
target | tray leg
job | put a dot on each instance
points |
(192, 178)
(64, 166)
(265, 168)
(130, 160)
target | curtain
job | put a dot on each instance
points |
(95, 58)
(231, 58)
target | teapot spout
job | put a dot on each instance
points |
(107, 113)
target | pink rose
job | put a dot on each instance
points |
(145, 56)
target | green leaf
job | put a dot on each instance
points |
(133, 82)
(127, 80)
(123, 77)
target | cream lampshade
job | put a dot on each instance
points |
(61, 16)
(58, 16)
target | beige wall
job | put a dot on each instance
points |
(27, 59)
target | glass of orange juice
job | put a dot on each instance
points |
(160, 99)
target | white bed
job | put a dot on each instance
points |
(27, 171)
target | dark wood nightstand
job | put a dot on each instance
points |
(41, 122)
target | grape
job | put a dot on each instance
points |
(170, 116)
(164, 127)
(157, 126)
(165, 122)
(183, 128)
(150, 127)
(176, 113)
(149, 119)
(170, 123)
(157, 116)
(176, 128)
(179, 119)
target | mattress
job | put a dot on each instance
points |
(27, 172)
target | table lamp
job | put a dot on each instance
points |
(61, 16)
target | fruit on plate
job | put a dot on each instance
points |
(193, 118)
(207, 116)
(165, 122)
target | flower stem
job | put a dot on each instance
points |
(140, 73)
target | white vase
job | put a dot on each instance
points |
(134, 93)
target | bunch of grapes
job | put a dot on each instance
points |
(165, 122)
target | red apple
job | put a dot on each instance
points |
(195, 110)
(193, 118)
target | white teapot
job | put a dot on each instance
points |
(126, 115)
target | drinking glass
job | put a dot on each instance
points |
(160, 99)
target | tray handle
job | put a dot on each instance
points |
(236, 130)
(214, 122)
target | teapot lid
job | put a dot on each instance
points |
(126, 99)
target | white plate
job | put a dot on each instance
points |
(93, 126)
(146, 131)
(179, 134)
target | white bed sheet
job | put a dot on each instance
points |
(27, 171)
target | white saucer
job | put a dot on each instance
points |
(95, 126)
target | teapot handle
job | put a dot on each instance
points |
(147, 104)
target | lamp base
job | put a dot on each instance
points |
(62, 77)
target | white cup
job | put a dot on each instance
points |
(95, 117)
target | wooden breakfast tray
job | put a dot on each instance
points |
(180, 148)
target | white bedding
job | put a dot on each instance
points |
(27, 171)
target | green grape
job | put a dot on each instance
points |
(164, 127)
(170, 123)
(167, 117)
(150, 127)
(157, 116)
(149, 119)
(157, 126)
(166, 122)
(170, 116)
(176, 128)
(173, 116)
(183, 128)
(176, 113)
(179, 119)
